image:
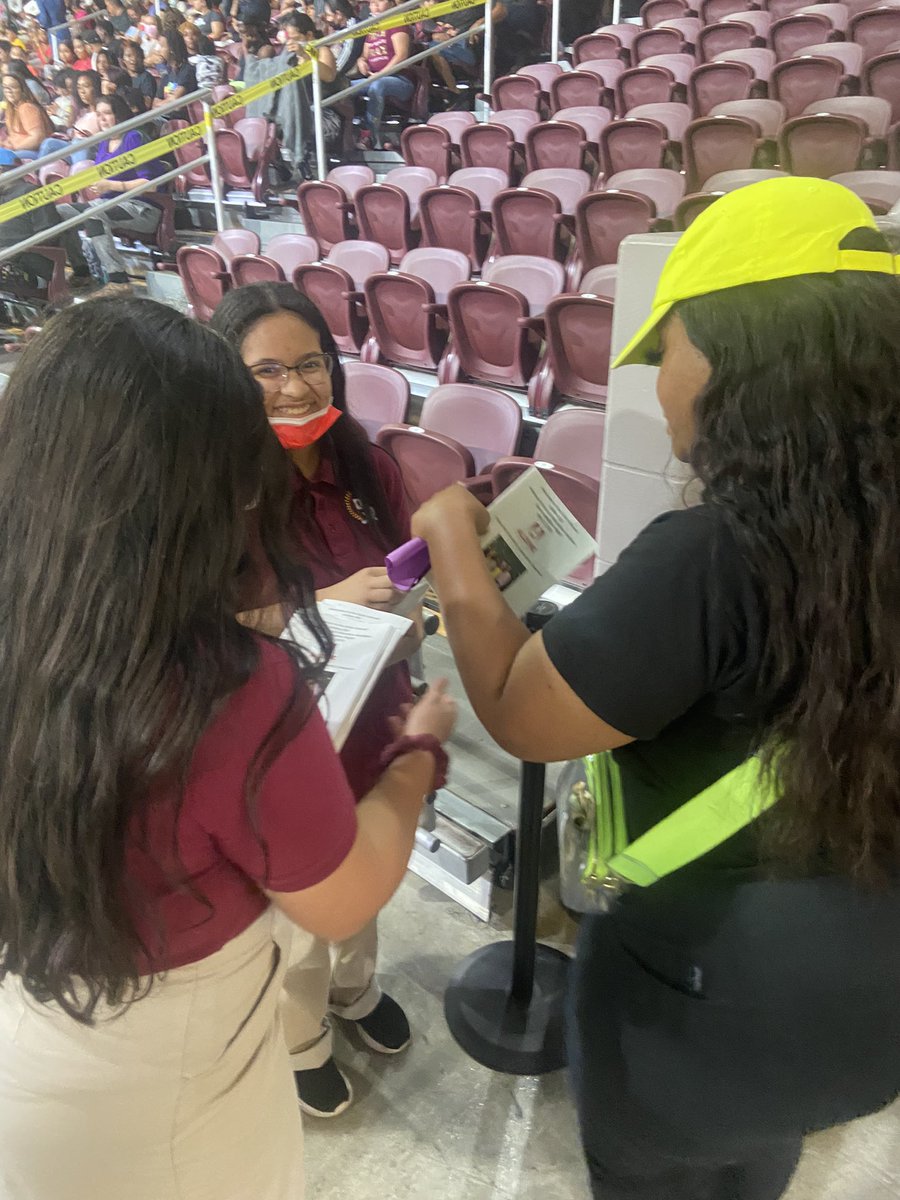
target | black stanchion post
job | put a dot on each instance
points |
(504, 1003)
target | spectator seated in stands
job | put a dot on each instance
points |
(382, 49)
(141, 79)
(118, 17)
(210, 19)
(460, 55)
(135, 214)
(340, 14)
(32, 267)
(82, 54)
(35, 89)
(299, 31)
(66, 54)
(27, 124)
(85, 122)
(518, 35)
(62, 110)
(208, 67)
(177, 78)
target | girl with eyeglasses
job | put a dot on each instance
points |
(170, 800)
(349, 509)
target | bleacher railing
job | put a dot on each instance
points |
(203, 96)
(75, 23)
(319, 104)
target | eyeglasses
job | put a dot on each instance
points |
(274, 376)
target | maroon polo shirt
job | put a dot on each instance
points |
(337, 542)
(196, 871)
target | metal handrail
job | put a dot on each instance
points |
(341, 35)
(204, 94)
(40, 239)
(436, 48)
(75, 23)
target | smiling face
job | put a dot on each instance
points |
(66, 54)
(279, 341)
(131, 60)
(683, 374)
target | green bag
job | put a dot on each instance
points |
(595, 806)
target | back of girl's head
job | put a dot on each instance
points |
(346, 441)
(798, 446)
(132, 447)
(301, 22)
(177, 53)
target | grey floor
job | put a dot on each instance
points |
(432, 1124)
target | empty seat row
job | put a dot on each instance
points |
(568, 454)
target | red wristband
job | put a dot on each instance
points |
(419, 741)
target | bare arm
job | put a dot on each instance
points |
(327, 65)
(401, 50)
(353, 894)
(517, 693)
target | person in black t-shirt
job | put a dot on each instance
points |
(212, 21)
(177, 78)
(749, 997)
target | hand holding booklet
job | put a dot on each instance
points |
(364, 640)
(532, 542)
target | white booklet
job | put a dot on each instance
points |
(364, 640)
(533, 540)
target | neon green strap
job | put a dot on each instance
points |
(698, 826)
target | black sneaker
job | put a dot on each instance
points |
(386, 1028)
(324, 1091)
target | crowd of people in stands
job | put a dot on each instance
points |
(115, 60)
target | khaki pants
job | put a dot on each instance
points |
(187, 1095)
(323, 977)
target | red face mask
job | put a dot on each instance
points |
(296, 433)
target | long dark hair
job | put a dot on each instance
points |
(346, 443)
(96, 86)
(133, 450)
(798, 446)
(120, 110)
(176, 50)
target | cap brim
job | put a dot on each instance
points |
(645, 340)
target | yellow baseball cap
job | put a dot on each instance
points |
(771, 230)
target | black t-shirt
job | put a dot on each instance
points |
(146, 84)
(665, 647)
(205, 22)
(180, 77)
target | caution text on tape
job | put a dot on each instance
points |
(170, 142)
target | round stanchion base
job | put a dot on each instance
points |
(496, 1030)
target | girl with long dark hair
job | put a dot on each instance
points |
(741, 990)
(167, 785)
(136, 214)
(349, 509)
(27, 123)
(177, 78)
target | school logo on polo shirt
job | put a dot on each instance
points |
(358, 511)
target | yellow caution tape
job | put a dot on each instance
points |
(82, 180)
(415, 14)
